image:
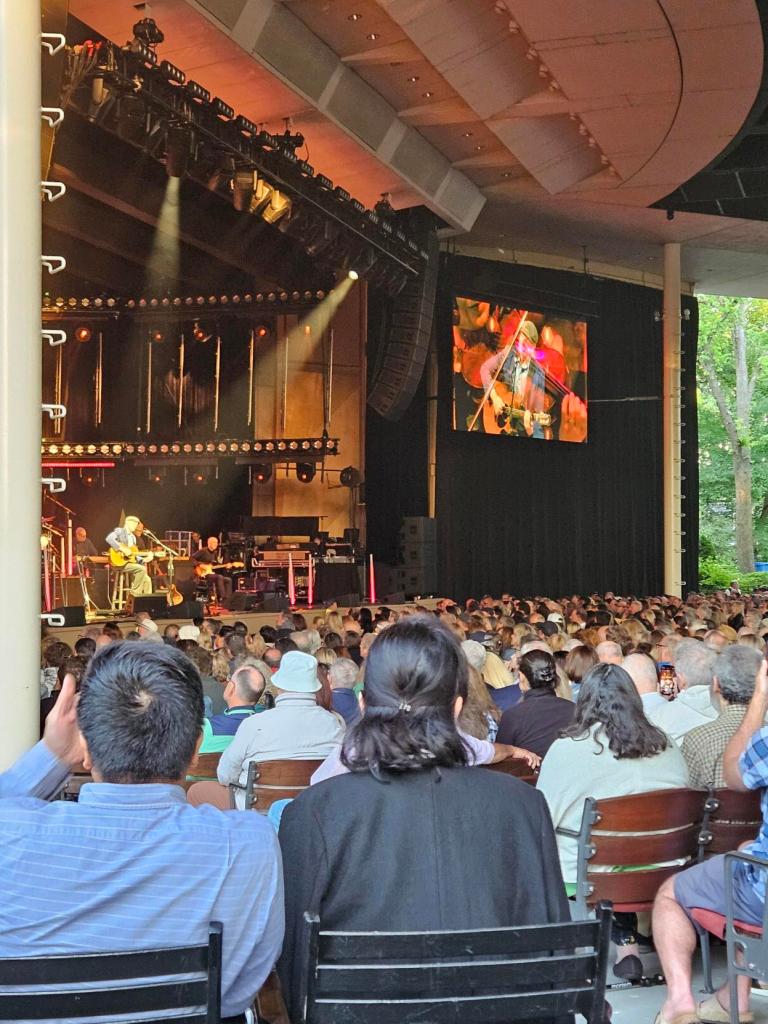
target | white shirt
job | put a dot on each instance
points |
(651, 701)
(296, 728)
(576, 769)
(480, 752)
(691, 708)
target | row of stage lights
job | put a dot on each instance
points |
(260, 473)
(177, 302)
(319, 445)
(152, 103)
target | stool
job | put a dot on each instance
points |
(118, 598)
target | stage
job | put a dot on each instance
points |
(253, 620)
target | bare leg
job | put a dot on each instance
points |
(744, 985)
(675, 939)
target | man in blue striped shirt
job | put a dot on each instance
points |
(132, 865)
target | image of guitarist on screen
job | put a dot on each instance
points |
(123, 541)
(524, 385)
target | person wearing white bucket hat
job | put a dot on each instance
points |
(297, 727)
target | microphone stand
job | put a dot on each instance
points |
(171, 555)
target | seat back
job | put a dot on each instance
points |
(269, 781)
(203, 766)
(180, 985)
(730, 819)
(491, 976)
(652, 836)
(512, 766)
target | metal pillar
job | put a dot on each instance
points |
(20, 372)
(673, 583)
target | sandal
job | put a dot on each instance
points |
(680, 1018)
(711, 1011)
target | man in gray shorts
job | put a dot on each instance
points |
(745, 767)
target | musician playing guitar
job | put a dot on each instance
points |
(211, 556)
(123, 541)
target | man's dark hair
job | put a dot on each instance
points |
(141, 712)
(56, 653)
(285, 644)
(414, 673)
(235, 645)
(85, 647)
(76, 666)
(226, 631)
(240, 628)
(268, 634)
(298, 621)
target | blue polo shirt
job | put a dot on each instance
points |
(136, 867)
(229, 722)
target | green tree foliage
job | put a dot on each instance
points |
(733, 429)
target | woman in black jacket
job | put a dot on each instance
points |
(412, 838)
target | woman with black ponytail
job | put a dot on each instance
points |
(412, 837)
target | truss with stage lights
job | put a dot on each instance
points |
(243, 452)
(63, 307)
(153, 106)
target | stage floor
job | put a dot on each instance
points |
(253, 620)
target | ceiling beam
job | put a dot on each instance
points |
(282, 43)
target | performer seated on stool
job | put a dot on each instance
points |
(210, 555)
(123, 539)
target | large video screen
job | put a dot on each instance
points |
(519, 372)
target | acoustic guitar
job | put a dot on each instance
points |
(203, 569)
(118, 559)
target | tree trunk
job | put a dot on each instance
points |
(742, 475)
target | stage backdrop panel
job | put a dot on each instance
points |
(549, 518)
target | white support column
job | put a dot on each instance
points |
(20, 372)
(671, 413)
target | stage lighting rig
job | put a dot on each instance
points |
(290, 141)
(147, 32)
(222, 110)
(262, 472)
(178, 150)
(305, 472)
(173, 74)
(201, 333)
(384, 206)
(197, 92)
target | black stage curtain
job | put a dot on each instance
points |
(536, 517)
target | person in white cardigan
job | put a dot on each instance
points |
(610, 749)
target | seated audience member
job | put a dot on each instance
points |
(503, 689)
(142, 869)
(213, 680)
(642, 671)
(272, 658)
(171, 634)
(342, 675)
(715, 640)
(609, 652)
(391, 845)
(297, 727)
(85, 647)
(479, 717)
(694, 662)
(610, 749)
(578, 662)
(241, 695)
(148, 628)
(75, 666)
(191, 632)
(54, 654)
(537, 720)
(745, 767)
(733, 684)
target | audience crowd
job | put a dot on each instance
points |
(600, 695)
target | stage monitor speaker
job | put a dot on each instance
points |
(403, 353)
(185, 610)
(71, 590)
(74, 615)
(246, 601)
(275, 603)
(155, 604)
